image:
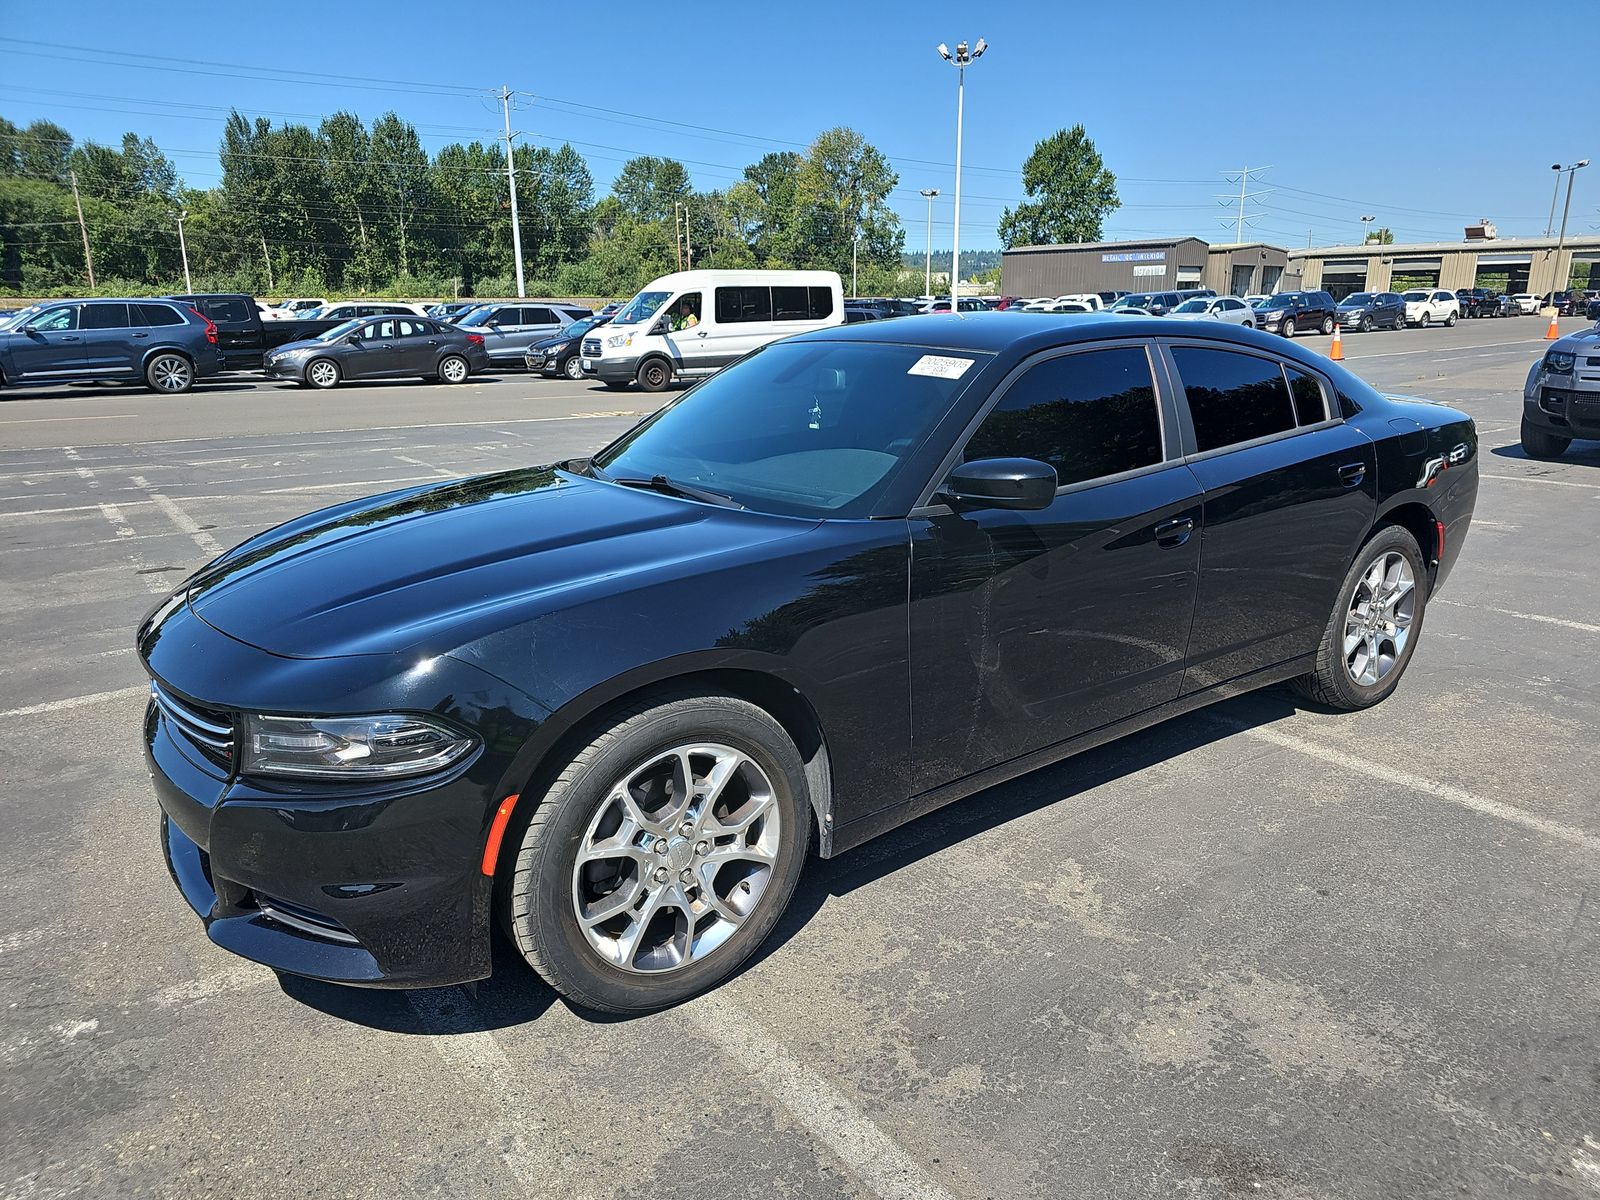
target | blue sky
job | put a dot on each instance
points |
(1355, 108)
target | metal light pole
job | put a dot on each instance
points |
(1555, 192)
(855, 243)
(1366, 221)
(961, 60)
(929, 194)
(511, 182)
(1561, 241)
(183, 248)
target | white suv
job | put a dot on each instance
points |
(1424, 306)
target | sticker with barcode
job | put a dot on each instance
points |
(940, 366)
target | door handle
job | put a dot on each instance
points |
(1174, 532)
(386, 346)
(433, 341)
(702, 333)
(70, 337)
(1351, 474)
(141, 335)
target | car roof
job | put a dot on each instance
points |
(1023, 333)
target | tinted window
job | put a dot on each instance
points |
(1309, 406)
(57, 319)
(159, 314)
(104, 316)
(1087, 415)
(540, 316)
(1233, 397)
(739, 304)
(226, 308)
(791, 304)
(821, 303)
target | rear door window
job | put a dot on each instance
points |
(741, 305)
(1088, 415)
(791, 304)
(159, 314)
(539, 316)
(104, 315)
(1310, 405)
(225, 308)
(1233, 397)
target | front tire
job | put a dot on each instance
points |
(1365, 325)
(654, 375)
(1424, 321)
(454, 369)
(1287, 328)
(661, 856)
(322, 373)
(170, 374)
(1449, 320)
(1373, 629)
(1541, 443)
(573, 368)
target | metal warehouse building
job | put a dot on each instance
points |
(1500, 264)
(1153, 266)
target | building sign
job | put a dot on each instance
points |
(1135, 256)
(1152, 270)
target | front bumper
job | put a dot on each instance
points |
(611, 370)
(1567, 407)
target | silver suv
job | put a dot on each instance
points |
(165, 344)
(509, 329)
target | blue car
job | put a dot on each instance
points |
(166, 344)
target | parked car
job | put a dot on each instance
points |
(1561, 397)
(1527, 303)
(1429, 306)
(612, 703)
(244, 337)
(1107, 299)
(381, 348)
(1366, 311)
(1091, 299)
(350, 309)
(449, 310)
(560, 353)
(1471, 300)
(1592, 309)
(967, 304)
(165, 344)
(1156, 303)
(1229, 309)
(855, 316)
(1495, 304)
(1195, 293)
(1567, 304)
(1289, 313)
(297, 306)
(1257, 299)
(508, 329)
(610, 310)
(693, 323)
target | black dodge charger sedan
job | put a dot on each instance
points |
(610, 704)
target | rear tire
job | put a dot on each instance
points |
(626, 788)
(1357, 625)
(454, 369)
(1326, 327)
(654, 374)
(169, 374)
(1541, 443)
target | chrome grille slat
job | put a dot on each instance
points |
(205, 729)
(591, 347)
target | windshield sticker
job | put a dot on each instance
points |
(940, 367)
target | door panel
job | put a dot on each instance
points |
(50, 347)
(416, 347)
(108, 345)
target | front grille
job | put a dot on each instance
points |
(302, 919)
(209, 730)
(591, 347)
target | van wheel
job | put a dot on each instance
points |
(169, 373)
(661, 856)
(654, 374)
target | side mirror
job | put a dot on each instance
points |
(1017, 483)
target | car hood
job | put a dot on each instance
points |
(433, 568)
(552, 342)
(1581, 342)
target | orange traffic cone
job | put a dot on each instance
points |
(1552, 333)
(1337, 353)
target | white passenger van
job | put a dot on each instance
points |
(693, 323)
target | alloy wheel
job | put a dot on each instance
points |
(676, 858)
(170, 373)
(574, 368)
(323, 373)
(453, 370)
(1378, 623)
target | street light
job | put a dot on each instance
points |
(960, 60)
(1565, 209)
(1366, 221)
(929, 194)
(1550, 222)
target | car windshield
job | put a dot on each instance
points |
(1415, 296)
(478, 316)
(1356, 300)
(309, 314)
(1131, 301)
(1191, 306)
(641, 308)
(339, 331)
(1283, 301)
(811, 429)
(581, 326)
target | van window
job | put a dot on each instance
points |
(821, 303)
(791, 304)
(736, 305)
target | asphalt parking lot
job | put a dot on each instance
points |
(1258, 951)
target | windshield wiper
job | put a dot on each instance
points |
(671, 487)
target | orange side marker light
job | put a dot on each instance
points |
(497, 830)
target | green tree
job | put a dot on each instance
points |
(1070, 193)
(1382, 236)
(401, 179)
(841, 197)
(648, 187)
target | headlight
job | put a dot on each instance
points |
(1560, 362)
(377, 747)
(617, 340)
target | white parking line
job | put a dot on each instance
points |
(1593, 487)
(1429, 787)
(815, 1103)
(521, 1133)
(1434, 350)
(334, 485)
(178, 517)
(76, 701)
(1580, 626)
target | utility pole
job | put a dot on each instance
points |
(677, 235)
(855, 243)
(1561, 241)
(511, 182)
(88, 259)
(1244, 194)
(267, 258)
(928, 194)
(688, 243)
(183, 248)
